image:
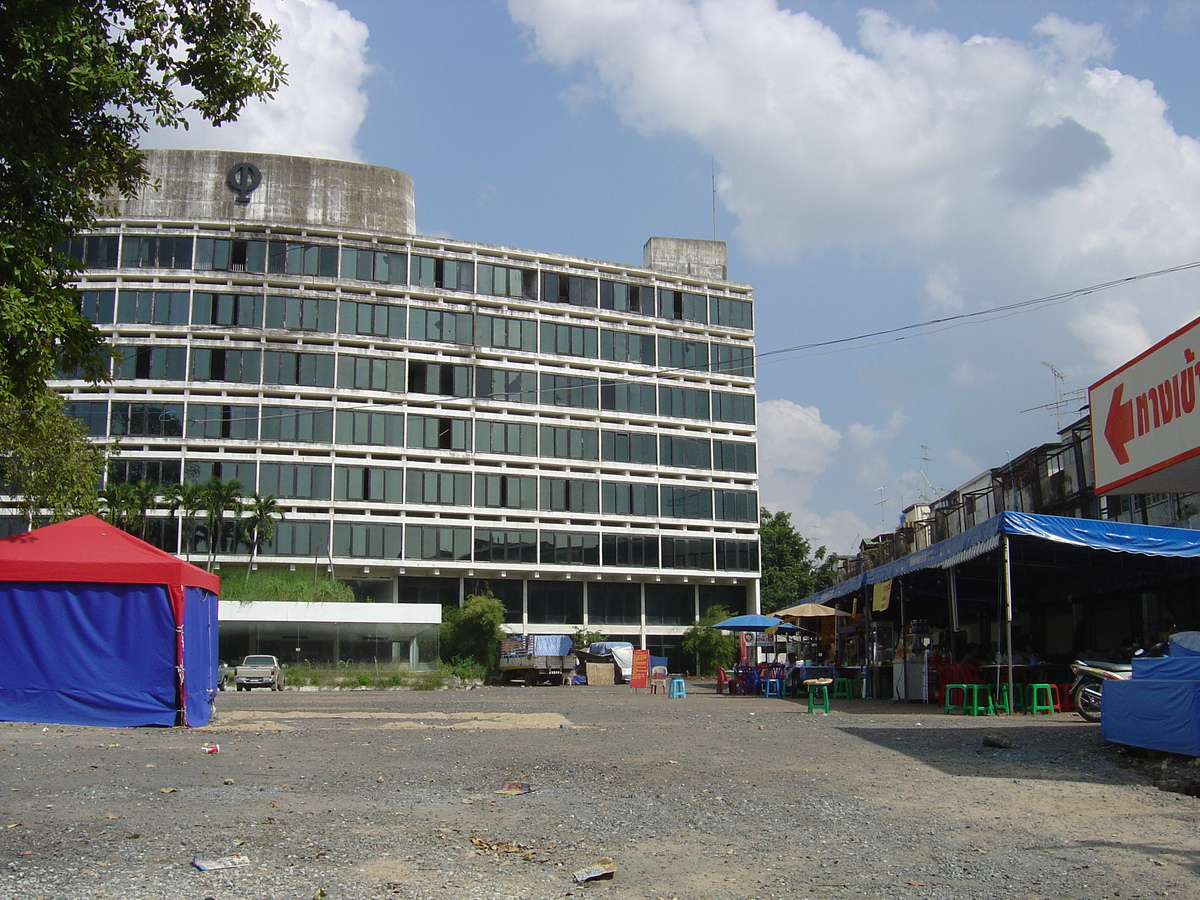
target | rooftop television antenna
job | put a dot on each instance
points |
(1059, 380)
(1062, 399)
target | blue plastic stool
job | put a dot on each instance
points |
(677, 688)
(772, 688)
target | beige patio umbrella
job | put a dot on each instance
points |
(804, 610)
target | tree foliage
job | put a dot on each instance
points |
(708, 646)
(80, 82)
(472, 631)
(791, 570)
(582, 638)
(47, 463)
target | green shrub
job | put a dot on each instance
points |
(282, 584)
(379, 676)
(708, 646)
(473, 631)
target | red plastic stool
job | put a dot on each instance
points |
(1064, 698)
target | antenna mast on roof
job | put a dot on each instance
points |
(713, 162)
(1059, 380)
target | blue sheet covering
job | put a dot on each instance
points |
(603, 647)
(1185, 643)
(87, 654)
(1094, 534)
(1154, 714)
(552, 644)
(1173, 668)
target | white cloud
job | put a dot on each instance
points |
(796, 451)
(987, 170)
(319, 111)
(941, 288)
(1024, 166)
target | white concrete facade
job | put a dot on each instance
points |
(435, 416)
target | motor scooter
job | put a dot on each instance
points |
(1090, 675)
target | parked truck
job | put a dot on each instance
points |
(258, 671)
(537, 658)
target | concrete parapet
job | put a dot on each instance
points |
(291, 191)
(687, 257)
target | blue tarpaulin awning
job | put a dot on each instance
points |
(1089, 534)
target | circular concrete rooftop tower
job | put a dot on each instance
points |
(267, 189)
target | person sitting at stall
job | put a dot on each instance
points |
(1018, 658)
(970, 663)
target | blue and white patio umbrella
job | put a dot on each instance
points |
(764, 624)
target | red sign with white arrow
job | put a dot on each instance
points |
(1145, 424)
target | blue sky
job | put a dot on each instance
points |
(877, 166)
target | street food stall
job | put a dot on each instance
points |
(1018, 584)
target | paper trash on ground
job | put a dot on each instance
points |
(515, 787)
(225, 862)
(603, 868)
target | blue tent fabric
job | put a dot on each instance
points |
(1093, 534)
(1153, 713)
(1185, 643)
(98, 627)
(199, 655)
(113, 661)
(1170, 668)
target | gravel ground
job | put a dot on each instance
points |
(392, 794)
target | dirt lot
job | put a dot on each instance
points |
(392, 794)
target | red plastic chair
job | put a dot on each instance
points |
(722, 680)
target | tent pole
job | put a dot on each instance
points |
(952, 586)
(1008, 613)
(868, 668)
(904, 657)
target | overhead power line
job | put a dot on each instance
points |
(902, 332)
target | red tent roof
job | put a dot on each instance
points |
(89, 549)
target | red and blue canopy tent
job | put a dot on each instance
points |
(100, 628)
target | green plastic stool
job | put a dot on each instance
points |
(1014, 704)
(1041, 699)
(843, 687)
(979, 700)
(961, 705)
(818, 694)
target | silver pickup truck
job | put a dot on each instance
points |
(259, 671)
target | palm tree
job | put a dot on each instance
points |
(259, 525)
(116, 504)
(142, 496)
(171, 499)
(219, 497)
(191, 501)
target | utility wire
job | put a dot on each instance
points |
(983, 315)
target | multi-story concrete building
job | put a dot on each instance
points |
(434, 415)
